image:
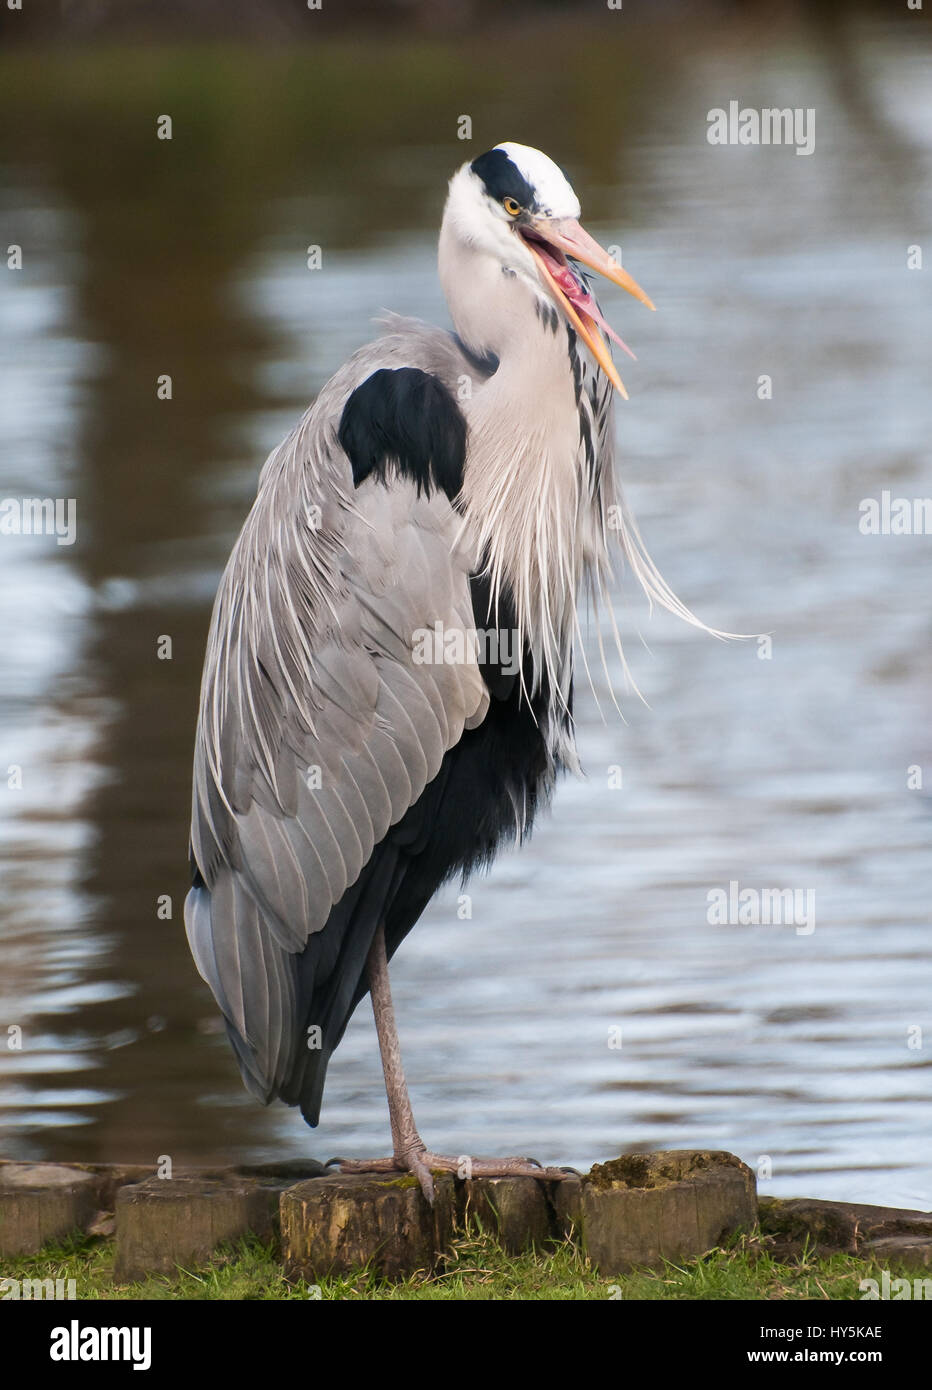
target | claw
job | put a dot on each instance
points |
(424, 1177)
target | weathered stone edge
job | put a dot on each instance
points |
(791, 1223)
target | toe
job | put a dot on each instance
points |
(424, 1176)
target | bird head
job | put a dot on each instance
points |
(514, 210)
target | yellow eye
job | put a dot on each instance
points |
(511, 206)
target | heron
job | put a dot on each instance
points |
(457, 484)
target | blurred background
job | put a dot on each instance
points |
(141, 257)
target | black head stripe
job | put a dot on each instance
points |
(503, 179)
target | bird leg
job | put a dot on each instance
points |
(409, 1152)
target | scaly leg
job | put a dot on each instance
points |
(410, 1154)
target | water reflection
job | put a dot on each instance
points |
(189, 259)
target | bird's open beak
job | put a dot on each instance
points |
(551, 241)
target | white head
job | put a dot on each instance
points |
(509, 227)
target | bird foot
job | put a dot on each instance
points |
(423, 1163)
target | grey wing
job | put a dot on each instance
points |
(318, 725)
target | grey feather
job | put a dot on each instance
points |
(317, 729)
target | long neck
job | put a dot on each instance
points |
(534, 518)
(539, 492)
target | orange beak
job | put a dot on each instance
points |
(567, 238)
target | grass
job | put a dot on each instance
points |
(476, 1269)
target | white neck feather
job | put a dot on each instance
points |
(523, 496)
(528, 511)
(538, 516)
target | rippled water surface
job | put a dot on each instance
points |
(782, 771)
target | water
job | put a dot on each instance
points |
(788, 1048)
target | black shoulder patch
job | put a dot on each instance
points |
(503, 179)
(406, 417)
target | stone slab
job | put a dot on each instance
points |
(340, 1224)
(906, 1252)
(164, 1223)
(643, 1209)
(40, 1202)
(795, 1223)
(518, 1210)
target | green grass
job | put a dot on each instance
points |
(477, 1269)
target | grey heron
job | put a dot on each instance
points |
(456, 483)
